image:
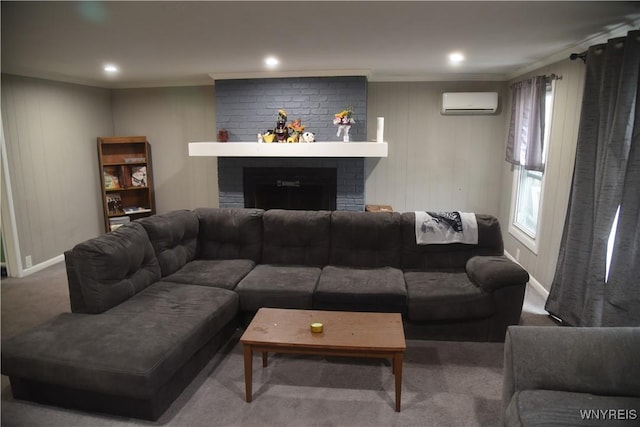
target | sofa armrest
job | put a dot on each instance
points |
(600, 361)
(494, 272)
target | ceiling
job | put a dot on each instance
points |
(160, 43)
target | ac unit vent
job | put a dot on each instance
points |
(469, 103)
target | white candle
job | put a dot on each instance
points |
(380, 132)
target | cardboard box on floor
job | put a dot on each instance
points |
(378, 208)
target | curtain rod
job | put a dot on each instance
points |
(553, 76)
(582, 56)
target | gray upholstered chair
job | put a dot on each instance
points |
(566, 376)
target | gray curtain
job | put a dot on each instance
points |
(606, 175)
(526, 126)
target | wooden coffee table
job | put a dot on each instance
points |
(370, 335)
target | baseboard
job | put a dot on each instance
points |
(535, 285)
(41, 266)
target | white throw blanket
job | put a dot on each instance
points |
(433, 228)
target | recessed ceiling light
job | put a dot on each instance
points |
(271, 61)
(456, 58)
(110, 68)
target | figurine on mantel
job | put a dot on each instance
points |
(308, 137)
(344, 120)
(296, 129)
(267, 136)
(281, 130)
(293, 132)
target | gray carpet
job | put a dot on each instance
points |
(444, 383)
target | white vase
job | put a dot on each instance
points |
(344, 129)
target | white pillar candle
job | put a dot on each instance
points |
(380, 132)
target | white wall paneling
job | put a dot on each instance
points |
(169, 118)
(50, 133)
(435, 162)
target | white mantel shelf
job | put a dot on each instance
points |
(301, 149)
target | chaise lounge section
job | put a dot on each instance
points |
(133, 343)
(155, 299)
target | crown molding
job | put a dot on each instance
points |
(614, 31)
(290, 74)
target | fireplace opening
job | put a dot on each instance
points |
(290, 188)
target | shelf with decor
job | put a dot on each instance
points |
(125, 179)
(301, 149)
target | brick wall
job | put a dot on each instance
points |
(246, 107)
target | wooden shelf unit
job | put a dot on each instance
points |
(126, 179)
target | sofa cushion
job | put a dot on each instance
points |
(445, 296)
(106, 270)
(130, 350)
(174, 237)
(452, 256)
(361, 289)
(494, 272)
(278, 286)
(365, 239)
(230, 233)
(296, 237)
(223, 273)
(529, 408)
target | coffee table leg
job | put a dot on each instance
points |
(397, 370)
(248, 370)
(264, 359)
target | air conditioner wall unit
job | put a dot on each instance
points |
(469, 103)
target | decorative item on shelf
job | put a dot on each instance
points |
(269, 136)
(344, 120)
(114, 204)
(135, 160)
(117, 222)
(135, 209)
(138, 176)
(223, 135)
(308, 137)
(111, 177)
(296, 128)
(281, 130)
(380, 130)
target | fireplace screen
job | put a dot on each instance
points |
(290, 188)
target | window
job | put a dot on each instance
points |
(528, 200)
(610, 243)
(527, 190)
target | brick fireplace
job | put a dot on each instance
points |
(290, 188)
(246, 107)
(349, 191)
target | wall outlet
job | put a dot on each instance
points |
(517, 254)
(28, 261)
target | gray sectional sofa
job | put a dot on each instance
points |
(155, 299)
